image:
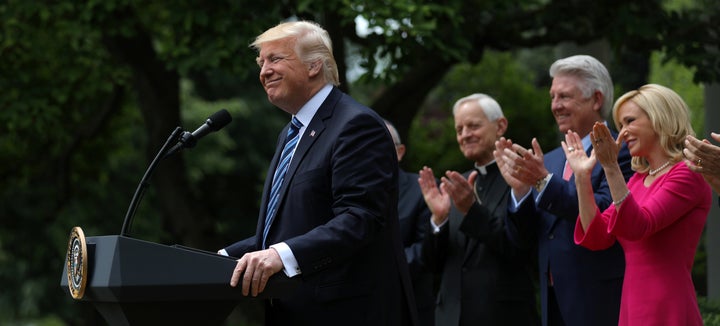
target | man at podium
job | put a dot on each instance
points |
(328, 215)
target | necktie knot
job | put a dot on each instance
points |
(296, 124)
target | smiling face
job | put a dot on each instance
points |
(475, 134)
(286, 79)
(637, 130)
(572, 110)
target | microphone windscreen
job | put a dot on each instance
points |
(219, 119)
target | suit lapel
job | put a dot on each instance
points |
(556, 166)
(312, 133)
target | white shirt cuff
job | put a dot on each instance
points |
(436, 228)
(222, 252)
(515, 202)
(290, 264)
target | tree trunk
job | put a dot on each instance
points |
(158, 96)
(401, 101)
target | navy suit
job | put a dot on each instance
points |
(414, 217)
(587, 284)
(338, 214)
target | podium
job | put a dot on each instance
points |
(136, 282)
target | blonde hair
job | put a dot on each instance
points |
(312, 44)
(668, 114)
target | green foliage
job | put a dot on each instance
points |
(670, 73)
(710, 310)
(694, 37)
(90, 186)
(397, 29)
(75, 143)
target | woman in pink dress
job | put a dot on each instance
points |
(657, 217)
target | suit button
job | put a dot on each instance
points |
(551, 236)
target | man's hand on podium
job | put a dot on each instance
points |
(255, 268)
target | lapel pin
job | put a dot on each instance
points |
(312, 133)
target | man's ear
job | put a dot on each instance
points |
(599, 100)
(502, 124)
(400, 150)
(314, 68)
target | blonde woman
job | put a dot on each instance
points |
(657, 217)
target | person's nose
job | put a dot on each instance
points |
(265, 69)
(555, 104)
(623, 132)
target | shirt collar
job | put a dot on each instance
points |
(307, 111)
(586, 142)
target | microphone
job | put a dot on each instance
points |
(215, 122)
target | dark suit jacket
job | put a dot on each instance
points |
(414, 217)
(587, 284)
(338, 214)
(486, 279)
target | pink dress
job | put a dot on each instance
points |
(659, 228)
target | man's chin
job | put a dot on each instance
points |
(470, 155)
(273, 98)
(564, 129)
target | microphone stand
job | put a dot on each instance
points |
(140, 191)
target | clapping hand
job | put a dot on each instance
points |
(581, 163)
(437, 200)
(504, 160)
(704, 157)
(521, 168)
(606, 148)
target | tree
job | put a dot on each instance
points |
(91, 90)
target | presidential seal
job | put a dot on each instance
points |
(77, 263)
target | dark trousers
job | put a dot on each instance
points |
(554, 315)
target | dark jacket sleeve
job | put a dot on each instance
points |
(238, 249)
(522, 224)
(434, 247)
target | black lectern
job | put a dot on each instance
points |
(136, 282)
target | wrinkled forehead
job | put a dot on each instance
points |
(281, 47)
(468, 113)
(286, 44)
(566, 83)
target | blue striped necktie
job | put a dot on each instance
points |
(288, 150)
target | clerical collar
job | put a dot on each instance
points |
(483, 168)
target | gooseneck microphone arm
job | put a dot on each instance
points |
(140, 191)
(215, 122)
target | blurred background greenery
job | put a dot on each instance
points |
(90, 90)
